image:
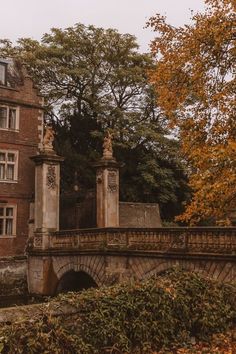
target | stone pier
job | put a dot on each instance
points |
(107, 187)
(47, 190)
(46, 209)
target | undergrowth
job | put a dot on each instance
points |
(161, 313)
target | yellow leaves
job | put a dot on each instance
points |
(232, 145)
(213, 183)
(195, 84)
(219, 4)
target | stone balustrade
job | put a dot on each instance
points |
(202, 240)
(110, 255)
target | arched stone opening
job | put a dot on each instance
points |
(75, 281)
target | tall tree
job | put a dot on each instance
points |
(195, 84)
(94, 80)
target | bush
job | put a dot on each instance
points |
(132, 318)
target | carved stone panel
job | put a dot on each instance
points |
(116, 240)
(112, 181)
(179, 241)
(99, 177)
(38, 241)
(51, 177)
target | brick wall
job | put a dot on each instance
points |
(26, 142)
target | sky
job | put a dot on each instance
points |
(30, 18)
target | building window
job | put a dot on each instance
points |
(3, 74)
(9, 117)
(8, 165)
(7, 220)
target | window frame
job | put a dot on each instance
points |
(8, 108)
(4, 65)
(5, 206)
(16, 153)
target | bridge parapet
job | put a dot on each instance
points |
(213, 240)
(110, 255)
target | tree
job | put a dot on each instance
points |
(94, 80)
(195, 85)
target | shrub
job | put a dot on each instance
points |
(162, 312)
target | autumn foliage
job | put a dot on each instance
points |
(195, 84)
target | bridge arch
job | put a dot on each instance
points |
(69, 267)
(75, 281)
(220, 271)
(88, 271)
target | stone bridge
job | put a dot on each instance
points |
(77, 259)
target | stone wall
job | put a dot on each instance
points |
(82, 215)
(13, 277)
(139, 215)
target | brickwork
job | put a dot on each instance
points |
(25, 142)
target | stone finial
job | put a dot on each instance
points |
(107, 145)
(48, 139)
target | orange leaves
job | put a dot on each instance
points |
(195, 84)
(213, 182)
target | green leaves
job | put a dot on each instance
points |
(93, 80)
(162, 313)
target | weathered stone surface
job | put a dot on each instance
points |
(13, 278)
(82, 215)
(47, 189)
(107, 187)
(113, 255)
(139, 215)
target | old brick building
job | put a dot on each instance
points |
(21, 125)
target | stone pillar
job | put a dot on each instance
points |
(47, 190)
(107, 193)
(107, 187)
